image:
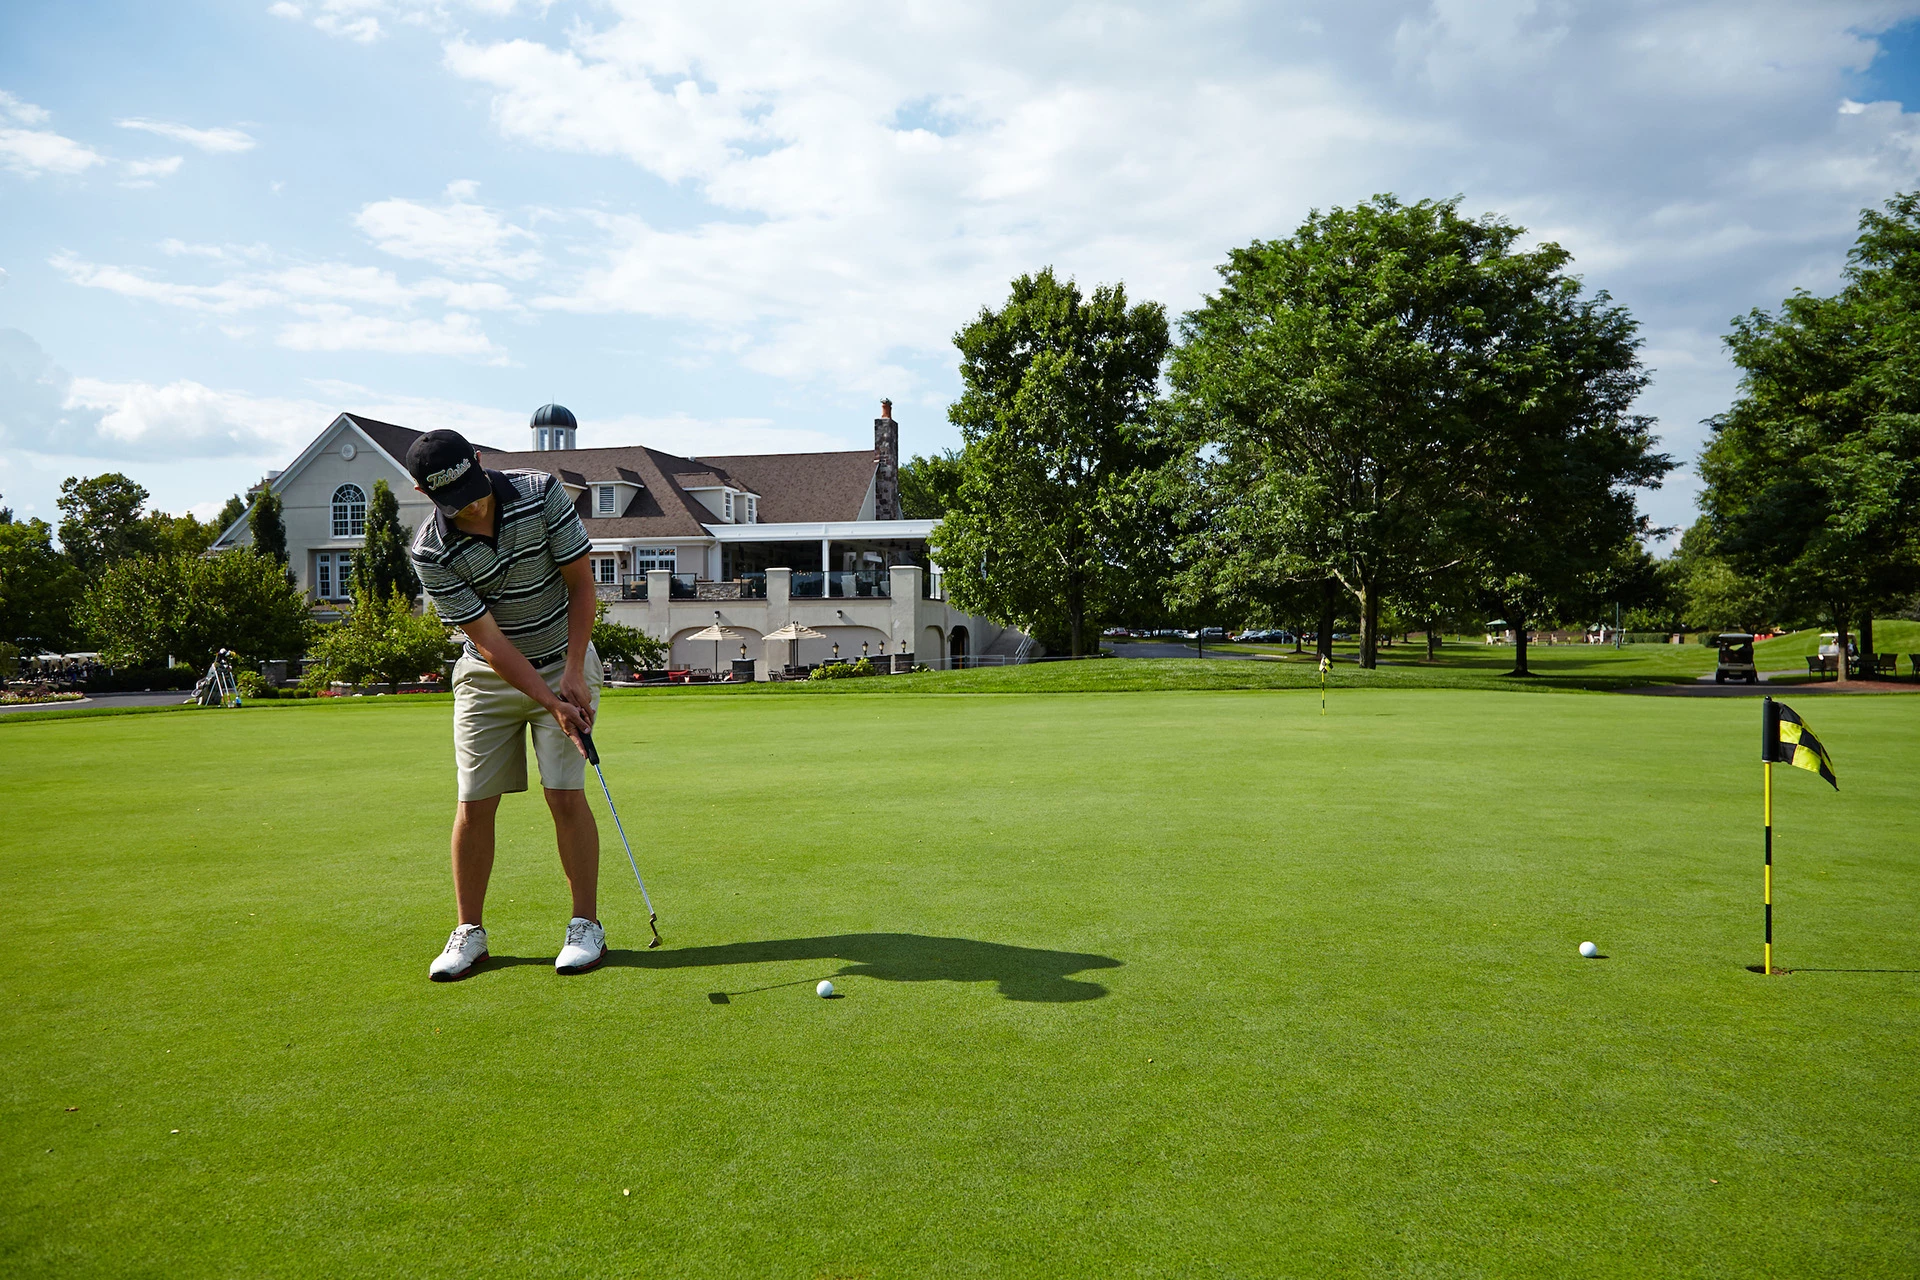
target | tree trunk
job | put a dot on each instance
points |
(1432, 648)
(1369, 627)
(1866, 640)
(1324, 642)
(1518, 621)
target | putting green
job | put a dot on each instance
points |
(1152, 984)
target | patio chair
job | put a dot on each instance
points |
(1817, 666)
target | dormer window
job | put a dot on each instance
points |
(753, 509)
(727, 513)
(604, 504)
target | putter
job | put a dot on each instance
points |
(593, 758)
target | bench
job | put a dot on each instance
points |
(1818, 665)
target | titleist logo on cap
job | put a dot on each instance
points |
(441, 479)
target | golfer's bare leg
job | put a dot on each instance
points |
(579, 838)
(473, 856)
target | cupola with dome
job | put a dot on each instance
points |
(553, 427)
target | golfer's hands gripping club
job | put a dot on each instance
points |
(577, 699)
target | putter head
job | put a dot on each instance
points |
(656, 931)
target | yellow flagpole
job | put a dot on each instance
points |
(1766, 894)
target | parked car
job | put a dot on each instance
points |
(1212, 633)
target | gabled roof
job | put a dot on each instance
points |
(796, 487)
(790, 486)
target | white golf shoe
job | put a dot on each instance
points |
(585, 948)
(466, 948)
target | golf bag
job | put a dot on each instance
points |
(217, 687)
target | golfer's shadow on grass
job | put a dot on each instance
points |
(1021, 973)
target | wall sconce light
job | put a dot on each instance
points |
(836, 648)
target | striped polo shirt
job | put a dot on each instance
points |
(515, 574)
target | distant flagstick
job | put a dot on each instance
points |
(1784, 738)
(1323, 684)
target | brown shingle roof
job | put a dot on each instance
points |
(804, 486)
(791, 486)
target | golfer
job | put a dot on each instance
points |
(505, 558)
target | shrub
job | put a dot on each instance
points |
(253, 685)
(618, 642)
(383, 640)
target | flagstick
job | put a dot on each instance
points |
(1766, 963)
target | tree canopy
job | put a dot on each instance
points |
(1057, 412)
(39, 588)
(148, 607)
(268, 525)
(1395, 393)
(101, 521)
(1813, 474)
(381, 566)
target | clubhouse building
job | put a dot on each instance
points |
(749, 542)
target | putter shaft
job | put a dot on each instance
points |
(593, 757)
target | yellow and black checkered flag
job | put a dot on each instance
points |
(1785, 739)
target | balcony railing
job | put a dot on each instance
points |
(633, 586)
(684, 586)
(859, 583)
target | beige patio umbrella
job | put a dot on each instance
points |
(793, 633)
(717, 633)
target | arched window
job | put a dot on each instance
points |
(349, 512)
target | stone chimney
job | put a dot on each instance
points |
(886, 479)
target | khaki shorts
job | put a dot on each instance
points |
(490, 722)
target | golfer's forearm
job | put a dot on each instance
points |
(583, 605)
(511, 665)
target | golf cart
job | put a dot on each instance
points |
(1736, 658)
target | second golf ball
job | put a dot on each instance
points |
(1588, 950)
(824, 990)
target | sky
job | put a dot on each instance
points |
(727, 227)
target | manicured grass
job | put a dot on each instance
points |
(1157, 984)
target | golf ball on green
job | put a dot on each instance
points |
(1588, 950)
(824, 990)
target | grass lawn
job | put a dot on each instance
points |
(1186, 983)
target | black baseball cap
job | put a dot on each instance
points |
(448, 468)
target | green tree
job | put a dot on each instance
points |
(381, 566)
(101, 521)
(1358, 387)
(930, 486)
(148, 607)
(40, 589)
(235, 508)
(381, 639)
(1056, 413)
(1553, 520)
(618, 642)
(268, 526)
(181, 535)
(1813, 474)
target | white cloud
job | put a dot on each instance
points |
(456, 235)
(33, 152)
(281, 9)
(47, 412)
(24, 112)
(321, 294)
(225, 297)
(141, 173)
(868, 185)
(215, 140)
(331, 327)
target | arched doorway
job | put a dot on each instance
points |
(957, 648)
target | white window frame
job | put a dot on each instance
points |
(753, 509)
(606, 570)
(349, 515)
(606, 500)
(726, 513)
(323, 575)
(646, 558)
